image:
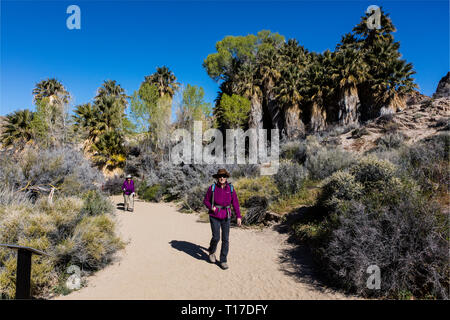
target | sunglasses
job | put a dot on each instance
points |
(222, 176)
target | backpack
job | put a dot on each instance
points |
(213, 187)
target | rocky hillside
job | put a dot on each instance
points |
(422, 117)
(415, 122)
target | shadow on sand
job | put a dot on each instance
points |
(297, 260)
(192, 249)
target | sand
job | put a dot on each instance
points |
(165, 258)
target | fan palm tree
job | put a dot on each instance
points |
(111, 88)
(109, 151)
(86, 118)
(246, 84)
(288, 92)
(319, 89)
(164, 80)
(17, 128)
(269, 72)
(348, 72)
(51, 89)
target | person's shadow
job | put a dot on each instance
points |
(194, 250)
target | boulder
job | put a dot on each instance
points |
(443, 88)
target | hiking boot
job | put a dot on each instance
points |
(223, 265)
(212, 258)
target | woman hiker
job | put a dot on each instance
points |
(219, 198)
(128, 193)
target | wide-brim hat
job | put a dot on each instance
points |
(221, 172)
(129, 176)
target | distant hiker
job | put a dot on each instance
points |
(128, 193)
(219, 198)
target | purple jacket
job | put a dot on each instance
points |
(128, 188)
(222, 197)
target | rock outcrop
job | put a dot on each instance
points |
(443, 88)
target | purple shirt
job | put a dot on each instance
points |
(128, 188)
(222, 197)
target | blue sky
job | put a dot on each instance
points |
(127, 40)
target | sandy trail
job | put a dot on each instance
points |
(166, 258)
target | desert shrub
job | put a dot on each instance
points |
(95, 203)
(113, 185)
(8, 196)
(390, 141)
(400, 234)
(64, 168)
(245, 170)
(193, 200)
(290, 178)
(328, 160)
(262, 186)
(374, 174)
(359, 132)
(153, 193)
(340, 186)
(256, 210)
(60, 229)
(427, 162)
(93, 242)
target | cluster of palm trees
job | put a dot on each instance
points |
(22, 126)
(298, 91)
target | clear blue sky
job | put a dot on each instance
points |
(127, 40)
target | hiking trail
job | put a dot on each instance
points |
(165, 258)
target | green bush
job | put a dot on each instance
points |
(328, 160)
(152, 193)
(96, 203)
(193, 200)
(290, 178)
(372, 173)
(339, 187)
(390, 141)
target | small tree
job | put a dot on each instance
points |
(233, 111)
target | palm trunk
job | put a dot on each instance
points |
(275, 112)
(293, 124)
(349, 105)
(256, 114)
(318, 118)
(396, 103)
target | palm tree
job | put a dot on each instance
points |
(348, 71)
(319, 89)
(51, 89)
(388, 78)
(17, 129)
(288, 92)
(110, 88)
(109, 151)
(246, 84)
(269, 73)
(86, 118)
(164, 80)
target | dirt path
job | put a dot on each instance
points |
(166, 259)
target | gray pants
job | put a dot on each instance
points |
(128, 201)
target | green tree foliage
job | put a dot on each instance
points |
(104, 124)
(363, 77)
(52, 89)
(193, 108)
(17, 129)
(164, 80)
(233, 111)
